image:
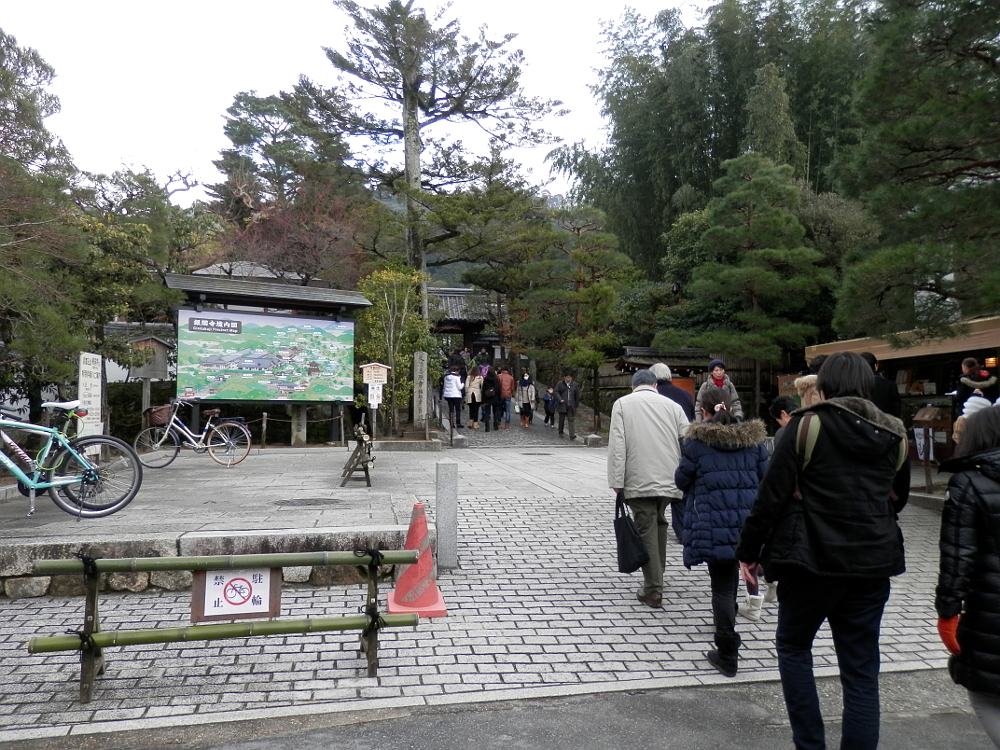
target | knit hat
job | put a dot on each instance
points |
(974, 404)
(716, 363)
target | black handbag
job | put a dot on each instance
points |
(632, 553)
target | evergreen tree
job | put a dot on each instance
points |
(928, 167)
(769, 130)
(426, 73)
(764, 279)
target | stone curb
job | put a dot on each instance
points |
(17, 558)
(381, 704)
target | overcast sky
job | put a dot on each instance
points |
(147, 84)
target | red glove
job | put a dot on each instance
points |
(946, 631)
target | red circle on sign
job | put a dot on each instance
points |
(237, 591)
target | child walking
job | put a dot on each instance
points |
(549, 402)
(722, 462)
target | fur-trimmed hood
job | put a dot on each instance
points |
(860, 407)
(728, 436)
(977, 383)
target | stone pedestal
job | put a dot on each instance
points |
(299, 421)
(419, 391)
(446, 514)
(593, 441)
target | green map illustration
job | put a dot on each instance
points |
(247, 357)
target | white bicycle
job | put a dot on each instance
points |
(227, 441)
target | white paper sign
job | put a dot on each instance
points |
(89, 390)
(374, 394)
(237, 592)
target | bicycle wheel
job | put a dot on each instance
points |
(229, 443)
(109, 476)
(156, 447)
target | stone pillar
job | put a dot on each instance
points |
(419, 391)
(446, 514)
(299, 420)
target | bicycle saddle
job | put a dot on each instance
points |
(66, 405)
(211, 412)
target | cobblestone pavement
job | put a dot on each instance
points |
(536, 609)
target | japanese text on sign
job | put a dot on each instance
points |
(378, 374)
(374, 394)
(214, 325)
(89, 387)
(237, 592)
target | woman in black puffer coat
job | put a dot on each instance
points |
(968, 590)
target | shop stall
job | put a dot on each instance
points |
(926, 375)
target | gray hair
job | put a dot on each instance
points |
(643, 377)
(661, 371)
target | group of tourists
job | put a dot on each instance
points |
(817, 519)
(491, 397)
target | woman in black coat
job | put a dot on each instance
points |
(491, 398)
(968, 590)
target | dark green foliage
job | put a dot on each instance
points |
(679, 102)
(750, 300)
(928, 168)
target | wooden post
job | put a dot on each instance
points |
(91, 657)
(263, 432)
(928, 484)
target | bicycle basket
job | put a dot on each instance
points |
(158, 415)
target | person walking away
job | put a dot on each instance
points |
(722, 462)
(491, 399)
(567, 402)
(975, 381)
(643, 453)
(507, 386)
(525, 397)
(824, 526)
(452, 393)
(549, 404)
(886, 394)
(805, 386)
(665, 387)
(967, 599)
(717, 377)
(781, 410)
(474, 395)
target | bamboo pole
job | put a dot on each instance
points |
(222, 562)
(215, 632)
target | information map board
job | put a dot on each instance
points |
(237, 356)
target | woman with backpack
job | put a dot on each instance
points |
(721, 465)
(824, 525)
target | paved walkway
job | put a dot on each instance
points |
(536, 608)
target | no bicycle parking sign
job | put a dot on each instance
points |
(235, 594)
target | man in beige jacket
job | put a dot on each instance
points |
(644, 449)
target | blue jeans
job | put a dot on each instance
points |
(853, 607)
(506, 410)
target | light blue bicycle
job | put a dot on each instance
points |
(89, 476)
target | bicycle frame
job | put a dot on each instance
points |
(36, 465)
(191, 439)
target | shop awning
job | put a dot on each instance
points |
(982, 333)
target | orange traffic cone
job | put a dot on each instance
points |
(416, 590)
